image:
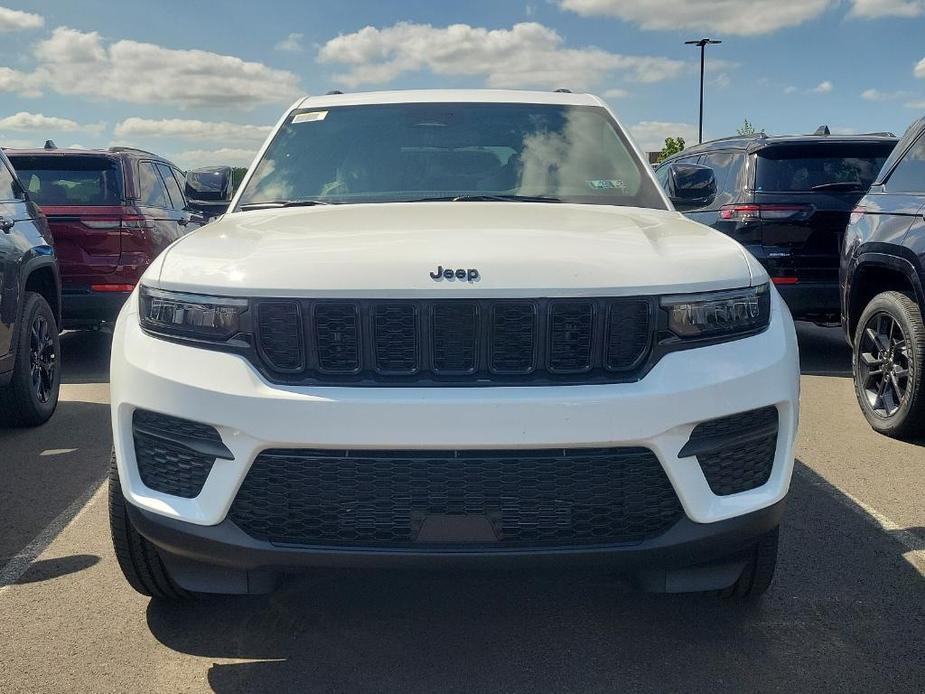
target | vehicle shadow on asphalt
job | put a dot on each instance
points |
(45, 470)
(845, 614)
(47, 569)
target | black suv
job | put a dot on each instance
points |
(30, 304)
(787, 199)
(883, 291)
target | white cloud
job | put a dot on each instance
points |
(919, 70)
(291, 44)
(14, 20)
(872, 9)
(19, 143)
(721, 81)
(37, 121)
(822, 88)
(790, 89)
(650, 135)
(877, 95)
(231, 156)
(192, 129)
(80, 63)
(22, 83)
(527, 54)
(915, 104)
(615, 94)
(720, 16)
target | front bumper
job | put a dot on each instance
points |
(251, 415)
(688, 557)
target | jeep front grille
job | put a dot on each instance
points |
(454, 342)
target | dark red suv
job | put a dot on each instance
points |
(110, 212)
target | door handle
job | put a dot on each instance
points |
(6, 224)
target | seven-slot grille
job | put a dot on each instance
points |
(454, 341)
(527, 498)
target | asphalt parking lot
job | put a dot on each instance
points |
(846, 613)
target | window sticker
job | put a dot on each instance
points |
(607, 184)
(310, 117)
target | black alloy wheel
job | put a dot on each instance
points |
(889, 365)
(883, 364)
(43, 358)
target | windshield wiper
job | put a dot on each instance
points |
(839, 185)
(274, 204)
(487, 197)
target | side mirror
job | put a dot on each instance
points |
(209, 189)
(690, 185)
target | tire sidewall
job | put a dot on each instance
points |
(35, 305)
(892, 304)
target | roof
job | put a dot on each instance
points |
(58, 151)
(449, 96)
(61, 150)
(752, 143)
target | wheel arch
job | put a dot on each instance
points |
(880, 272)
(40, 275)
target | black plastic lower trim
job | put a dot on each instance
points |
(817, 301)
(226, 546)
(84, 310)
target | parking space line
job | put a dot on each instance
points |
(20, 563)
(912, 542)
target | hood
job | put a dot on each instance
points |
(517, 249)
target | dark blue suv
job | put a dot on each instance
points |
(882, 275)
(787, 199)
(30, 307)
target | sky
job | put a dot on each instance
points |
(202, 82)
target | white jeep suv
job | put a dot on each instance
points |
(458, 329)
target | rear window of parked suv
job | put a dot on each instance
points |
(833, 166)
(76, 180)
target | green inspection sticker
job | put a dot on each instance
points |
(607, 184)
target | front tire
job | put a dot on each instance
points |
(141, 565)
(31, 396)
(759, 569)
(889, 365)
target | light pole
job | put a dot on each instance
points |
(703, 43)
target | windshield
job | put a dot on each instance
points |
(402, 152)
(76, 180)
(820, 167)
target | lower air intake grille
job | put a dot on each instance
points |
(736, 453)
(174, 455)
(540, 498)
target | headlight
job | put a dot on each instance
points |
(194, 316)
(716, 314)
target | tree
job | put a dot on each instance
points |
(673, 145)
(748, 129)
